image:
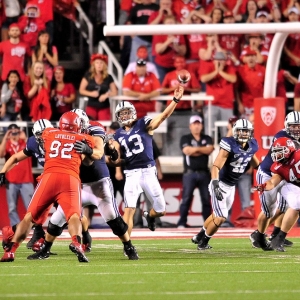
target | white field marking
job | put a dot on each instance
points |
(212, 292)
(146, 272)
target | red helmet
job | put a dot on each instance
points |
(282, 149)
(70, 121)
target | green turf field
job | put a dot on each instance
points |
(167, 269)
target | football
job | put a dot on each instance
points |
(183, 76)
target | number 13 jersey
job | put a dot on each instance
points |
(136, 145)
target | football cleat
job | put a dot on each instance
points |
(131, 253)
(87, 242)
(203, 246)
(150, 221)
(286, 242)
(77, 249)
(277, 244)
(8, 257)
(7, 235)
(37, 234)
(42, 254)
(37, 246)
(258, 242)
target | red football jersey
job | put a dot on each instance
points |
(60, 156)
(289, 171)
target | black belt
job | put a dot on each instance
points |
(189, 171)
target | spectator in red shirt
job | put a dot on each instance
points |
(63, 95)
(165, 9)
(166, 47)
(143, 86)
(30, 25)
(250, 84)
(20, 178)
(46, 53)
(37, 91)
(255, 41)
(46, 13)
(209, 47)
(263, 16)
(14, 53)
(195, 41)
(182, 8)
(170, 84)
(98, 86)
(231, 42)
(219, 76)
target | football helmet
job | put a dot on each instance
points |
(242, 130)
(282, 149)
(293, 118)
(128, 117)
(84, 119)
(38, 127)
(70, 121)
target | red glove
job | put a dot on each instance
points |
(260, 188)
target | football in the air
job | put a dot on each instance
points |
(183, 76)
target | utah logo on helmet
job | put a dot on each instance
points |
(282, 149)
(70, 121)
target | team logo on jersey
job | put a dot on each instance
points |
(268, 114)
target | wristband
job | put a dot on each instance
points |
(175, 100)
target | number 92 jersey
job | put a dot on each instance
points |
(238, 159)
(136, 145)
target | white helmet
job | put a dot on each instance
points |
(85, 122)
(130, 117)
(38, 127)
(293, 118)
(242, 130)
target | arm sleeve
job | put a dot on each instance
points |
(5, 93)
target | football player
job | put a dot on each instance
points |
(271, 209)
(60, 158)
(285, 169)
(34, 148)
(134, 141)
(236, 152)
(96, 190)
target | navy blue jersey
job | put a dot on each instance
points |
(136, 145)
(237, 160)
(98, 169)
(266, 164)
(34, 150)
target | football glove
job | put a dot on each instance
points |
(217, 190)
(83, 148)
(2, 179)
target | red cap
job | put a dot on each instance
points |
(99, 56)
(227, 14)
(13, 25)
(249, 52)
(60, 68)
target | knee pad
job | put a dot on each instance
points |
(54, 230)
(118, 226)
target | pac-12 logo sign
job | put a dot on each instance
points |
(268, 114)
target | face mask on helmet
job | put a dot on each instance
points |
(242, 130)
(282, 149)
(85, 122)
(38, 128)
(125, 113)
(292, 124)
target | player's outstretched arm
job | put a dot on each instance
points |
(270, 184)
(13, 160)
(156, 121)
